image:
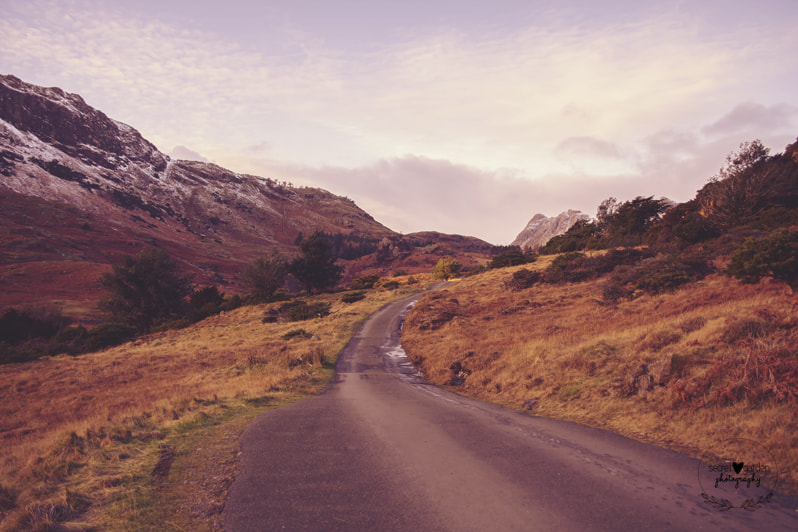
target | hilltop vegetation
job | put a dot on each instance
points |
(672, 324)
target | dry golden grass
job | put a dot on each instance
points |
(79, 436)
(683, 370)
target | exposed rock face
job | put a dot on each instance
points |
(541, 228)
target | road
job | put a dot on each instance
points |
(382, 450)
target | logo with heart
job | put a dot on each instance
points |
(738, 473)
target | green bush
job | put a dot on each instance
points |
(512, 257)
(353, 297)
(522, 279)
(446, 268)
(365, 282)
(581, 236)
(300, 310)
(296, 333)
(775, 255)
(109, 334)
(655, 275)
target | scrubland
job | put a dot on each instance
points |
(685, 370)
(145, 434)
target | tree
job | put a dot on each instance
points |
(626, 223)
(741, 188)
(265, 275)
(316, 267)
(512, 257)
(145, 288)
(446, 268)
(606, 210)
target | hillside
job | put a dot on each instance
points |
(146, 433)
(675, 325)
(81, 190)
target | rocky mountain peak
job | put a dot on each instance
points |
(540, 229)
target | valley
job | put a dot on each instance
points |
(674, 325)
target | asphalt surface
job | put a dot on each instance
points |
(382, 450)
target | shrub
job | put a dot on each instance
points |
(446, 268)
(17, 326)
(655, 275)
(512, 257)
(692, 324)
(582, 235)
(109, 334)
(296, 333)
(301, 310)
(775, 255)
(659, 339)
(522, 279)
(352, 297)
(744, 329)
(390, 285)
(365, 282)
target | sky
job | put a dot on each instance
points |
(464, 117)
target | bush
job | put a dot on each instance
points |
(296, 333)
(581, 236)
(353, 297)
(745, 329)
(512, 257)
(301, 310)
(775, 255)
(446, 268)
(655, 275)
(365, 282)
(522, 279)
(17, 326)
(109, 334)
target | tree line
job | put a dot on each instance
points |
(148, 290)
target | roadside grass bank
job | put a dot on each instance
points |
(686, 369)
(144, 435)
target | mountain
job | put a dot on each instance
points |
(541, 228)
(79, 190)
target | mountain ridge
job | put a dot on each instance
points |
(214, 221)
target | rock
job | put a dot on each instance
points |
(540, 229)
(529, 404)
(660, 370)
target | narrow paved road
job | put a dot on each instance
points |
(381, 450)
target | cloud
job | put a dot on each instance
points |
(183, 153)
(749, 116)
(444, 128)
(582, 152)
(415, 193)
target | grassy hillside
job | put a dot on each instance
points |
(680, 369)
(628, 324)
(144, 435)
